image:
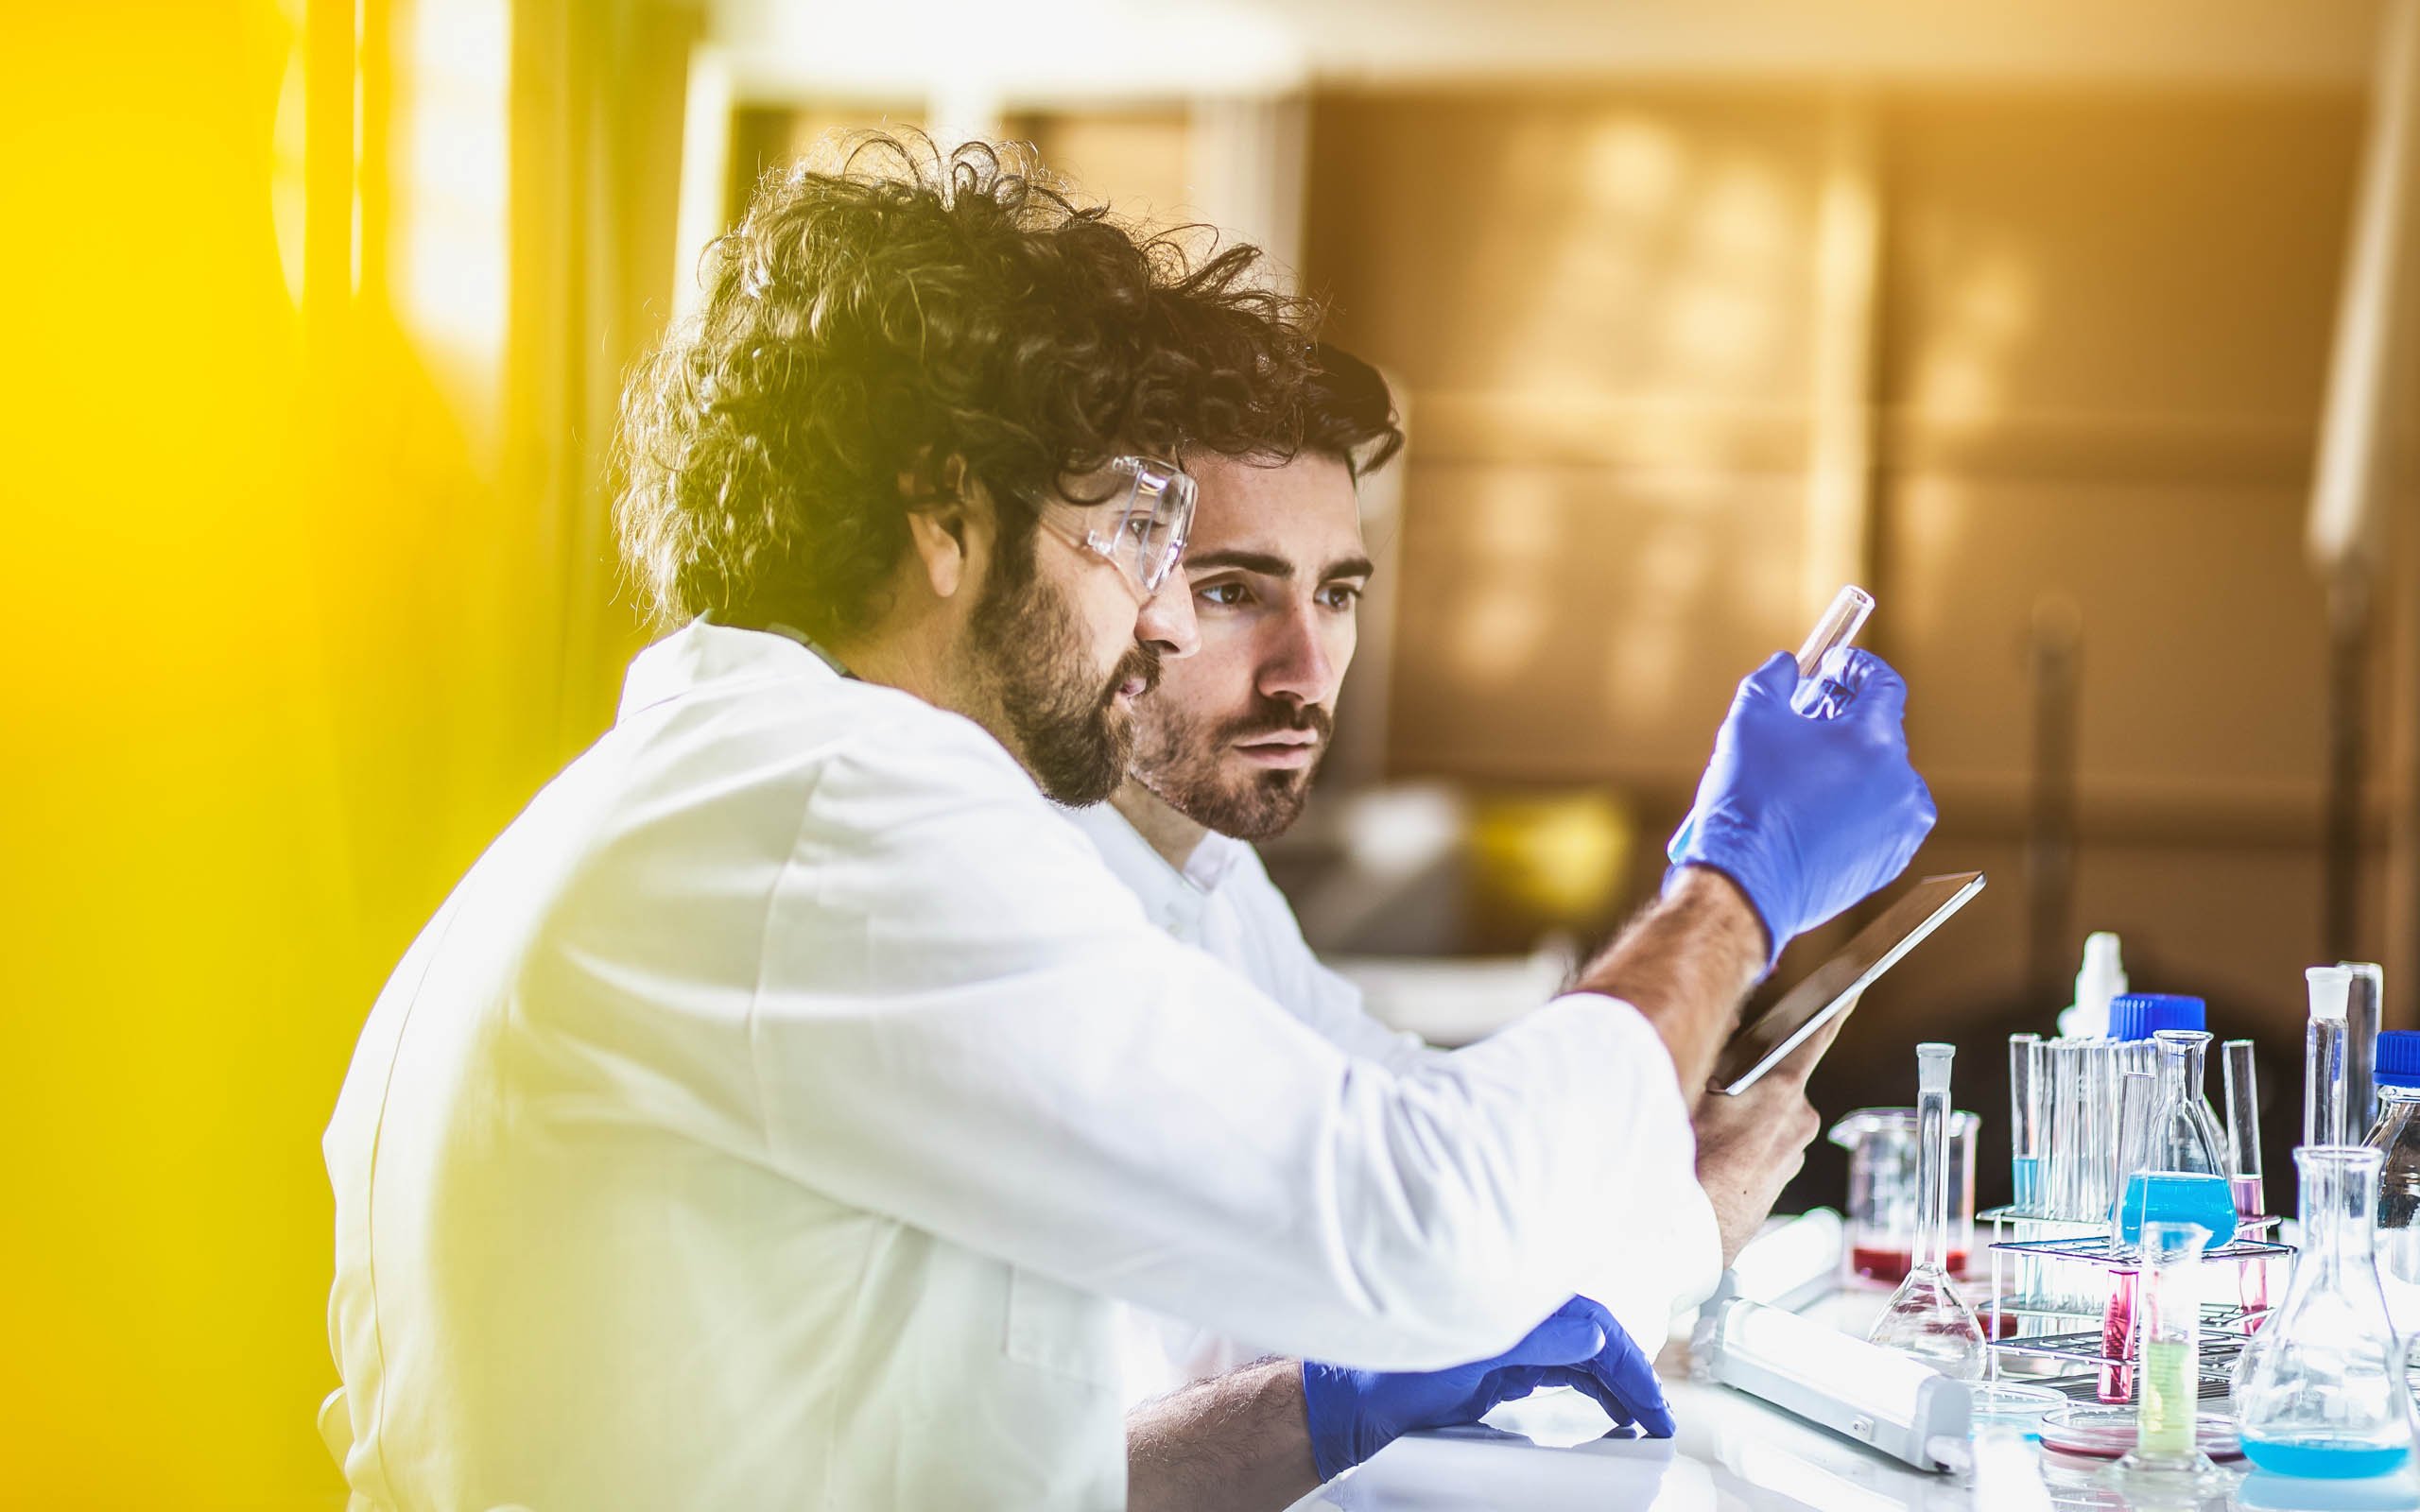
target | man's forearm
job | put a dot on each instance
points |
(1239, 1441)
(1685, 964)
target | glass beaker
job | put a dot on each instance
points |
(1884, 1199)
(1926, 1318)
(2320, 1390)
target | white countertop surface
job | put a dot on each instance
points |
(1736, 1453)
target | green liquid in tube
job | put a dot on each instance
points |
(2163, 1421)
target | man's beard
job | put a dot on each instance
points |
(1181, 762)
(1029, 648)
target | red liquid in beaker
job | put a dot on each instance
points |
(1890, 1266)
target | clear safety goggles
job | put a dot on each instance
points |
(1141, 531)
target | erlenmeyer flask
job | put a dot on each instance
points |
(1925, 1318)
(2184, 1137)
(2184, 1174)
(2320, 1390)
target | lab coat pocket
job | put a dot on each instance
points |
(1062, 1330)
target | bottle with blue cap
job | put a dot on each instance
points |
(2136, 1019)
(2141, 1015)
(2397, 1138)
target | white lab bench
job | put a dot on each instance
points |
(1736, 1453)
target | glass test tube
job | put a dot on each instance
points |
(2137, 1093)
(2087, 1183)
(2363, 999)
(2243, 1127)
(2323, 1055)
(2025, 1120)
(2108, 1067)
(2244, 1168)
(2057, 1131)
(1817, 695)
(2171, 1328)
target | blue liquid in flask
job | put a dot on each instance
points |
(2321, 1459)
(2170, 1197)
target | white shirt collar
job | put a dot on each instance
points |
(1144, 871)
(700, 652)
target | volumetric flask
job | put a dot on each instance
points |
(1885, 1196)
(1925, 1318)
(2320, 1390)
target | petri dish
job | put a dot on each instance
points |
(2006, 1404)
(2089, 1431)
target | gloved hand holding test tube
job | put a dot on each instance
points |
(1820, 693)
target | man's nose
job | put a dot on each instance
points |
(1298, 667)
(1167, 618)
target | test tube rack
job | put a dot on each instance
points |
(2046, 1294)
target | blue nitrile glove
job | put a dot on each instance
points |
(1354, 1414)
(1807, 816)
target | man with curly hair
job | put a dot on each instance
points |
(770, 1116)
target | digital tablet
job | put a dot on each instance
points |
(1832, 987)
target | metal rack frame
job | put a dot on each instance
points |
(2072, 1359)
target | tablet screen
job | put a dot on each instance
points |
(1833, 985)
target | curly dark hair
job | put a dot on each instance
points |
(1347, 412)
(878, 333)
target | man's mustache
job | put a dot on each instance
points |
(1271, 717)
(1141, 662)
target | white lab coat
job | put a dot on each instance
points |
(1223, 902)
(769, 1116)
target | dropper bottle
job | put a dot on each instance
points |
(2102, 977)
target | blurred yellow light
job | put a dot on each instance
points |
(452, 278)
(1559, 856)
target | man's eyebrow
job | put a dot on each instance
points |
(1349, 567)
(1251, 561)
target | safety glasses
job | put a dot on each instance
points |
(1141, 531)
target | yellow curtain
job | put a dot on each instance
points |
(311, 590)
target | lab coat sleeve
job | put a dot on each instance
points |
(1671, 1254)
(965, 1022)
(1324, 999)
(1335, 1007)
(1670, 1258)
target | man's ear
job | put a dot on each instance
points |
(942, 536)
(949, 524)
